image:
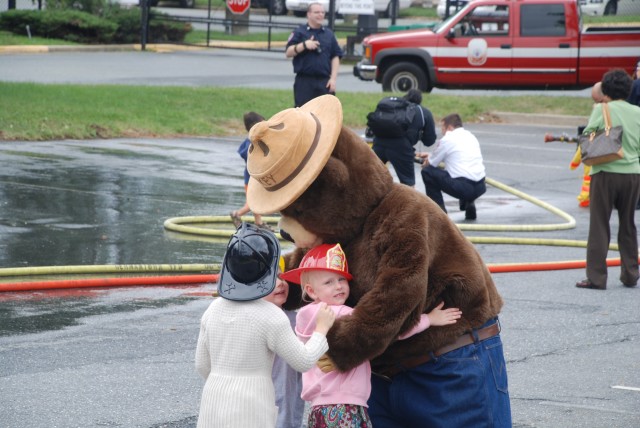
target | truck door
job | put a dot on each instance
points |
(545, 49)
(477, 49)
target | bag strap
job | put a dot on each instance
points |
(607, 116)
(421, 114)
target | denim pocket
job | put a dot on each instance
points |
(498, 365)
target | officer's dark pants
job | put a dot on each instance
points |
(306, 88)
(438, 180)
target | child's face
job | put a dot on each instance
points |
(329, 287)
(279, 294)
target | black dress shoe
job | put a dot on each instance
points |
(470, 211)
(463, 205)
(585, 283)
(630, 284)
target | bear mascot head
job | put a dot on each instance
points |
(405, 254)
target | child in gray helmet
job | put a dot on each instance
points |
(240, 333)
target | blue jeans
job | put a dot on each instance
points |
(462, 388)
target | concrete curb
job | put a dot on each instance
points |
(154, 47)
(94, 48)
(541, 119)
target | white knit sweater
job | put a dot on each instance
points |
(235, 352)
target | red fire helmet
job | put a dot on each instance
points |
(328, 257)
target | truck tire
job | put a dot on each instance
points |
(402, 76)
(187, 4)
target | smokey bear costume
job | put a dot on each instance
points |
(405, 256)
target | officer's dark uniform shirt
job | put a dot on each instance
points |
(315, 63)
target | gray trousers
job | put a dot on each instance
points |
(608, 191)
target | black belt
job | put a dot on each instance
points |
(309, 76)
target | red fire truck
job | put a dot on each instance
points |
(501, 43)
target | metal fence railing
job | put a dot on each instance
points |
(261, 25)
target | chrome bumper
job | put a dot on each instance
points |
(365, 71)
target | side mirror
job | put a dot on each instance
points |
(451, 34)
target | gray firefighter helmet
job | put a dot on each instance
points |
(250, 265)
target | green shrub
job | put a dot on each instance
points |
(69, 25)
(16, 21)
(94, 7)
(129, 24)
(117, 25)
(167, 31)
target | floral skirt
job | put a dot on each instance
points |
(339, 416)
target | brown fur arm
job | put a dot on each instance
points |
(390, 300)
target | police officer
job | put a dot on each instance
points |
(316, 57)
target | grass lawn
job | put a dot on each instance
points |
(32, 112)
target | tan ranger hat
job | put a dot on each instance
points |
(289, 150)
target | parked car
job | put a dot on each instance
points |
(500, 44)
(276, 7)
(382, 7)
(454, 6)
(610, 7)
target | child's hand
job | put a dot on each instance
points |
(438, 316)
(324, 319)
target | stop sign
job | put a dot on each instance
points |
(238, 7)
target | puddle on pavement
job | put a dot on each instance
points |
(104, 202)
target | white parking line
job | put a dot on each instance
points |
(628, 388)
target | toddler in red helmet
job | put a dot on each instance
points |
(339, 398)
(241, 332)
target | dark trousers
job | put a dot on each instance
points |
(608, 191)
(306, 88)
(401, 158)
(438, 180)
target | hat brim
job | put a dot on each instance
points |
(328, 110)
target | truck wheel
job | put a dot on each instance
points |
(403, 76)
(187, 4)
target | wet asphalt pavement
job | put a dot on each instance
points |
(123, 357)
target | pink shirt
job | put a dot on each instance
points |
(351, 387)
